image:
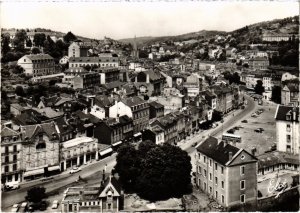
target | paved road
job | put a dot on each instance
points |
(95, 169)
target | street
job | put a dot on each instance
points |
(95, 169)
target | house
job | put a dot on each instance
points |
(100, 106)
(114, 131)
(109, 197)
(133, 107)
(37, 65)
(278, 37)
(290, 94)
(149, 82)
(17, 109)
(170, 102)
(259, 63)
(40, 145)
(155, 134)
(287, 129)
(156, 109)
(225, 98)
(78, 49)
(226, 173)
(288, 76)
(193, 85)
(11, 155)
(64, 60)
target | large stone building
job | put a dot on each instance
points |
(287, 129)
(290, 94)
(105, 61)
(11, 155)
(226, 173)
(78, 49)
(40, 150)
(37, 65)
(149, 83)
(86, 80)
(259, 63)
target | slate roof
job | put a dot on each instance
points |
(7, 132)
(156, 105)
(282, 112)
(39, 56)
(93, 59)
(31, 130)
(103, 101)
(217, 151)
(274, 158)
(114, 84)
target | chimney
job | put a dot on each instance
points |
(103, 175)
(253, 151)
(230, 155)
(294, 113)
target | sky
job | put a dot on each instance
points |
(96, 19)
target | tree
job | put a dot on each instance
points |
(145, 147)
(39, 39)
(165, 173)
(276, 94)
(5, 40)
(128, 166)
(259, 89)
(19, 91)
(216, 116)
(35, 50)
(19, 40)
(36, 194)
(69, 37)
(28, 43)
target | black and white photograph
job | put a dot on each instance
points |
(149, 106)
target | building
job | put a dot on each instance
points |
(107, 198)
(114, 131)
(290, 94)
(108, 74)
(149, 83)
(104, 61)
(78, 151)
(259, 63)
(135, 108)
(287, 129)
(86, 80)
(78, 49)
(11, 155)
(37, 65)
(40, 153)
(64, 60)
(288, 76)
(279, 37)
(156, 109)
(226, 173)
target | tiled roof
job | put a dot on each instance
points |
(103, 100)
(217, 151)
(156, 104)
(274, 158)
(133, 101)
(48, 112)
(113, 85)
(39, 57)
(31, 130)
(283, 111)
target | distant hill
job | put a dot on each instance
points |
(247, 34)
(194, 35)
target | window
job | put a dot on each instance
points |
(216, 166)
(288, 127)
(210, 176)
(199, 170)
(15, 157)
(204, 186)
(242, 168)
(6, 168)
(216, 180)
(223, 199)
(210, 190)
(222, 184)
(222, 170)
(210, 162)
(242, 198)
(6, 159)
(15, 148)
(14, 167)
(216, 195)
(204, 172)
(6, 149)
(204, 159)
(288, 138)
(242, 184)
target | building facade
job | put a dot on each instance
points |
(287, 129)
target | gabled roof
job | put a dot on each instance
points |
(113, 182)
(217, 151)
(133, 101)
(31, 130)
(103, 101)
(7, 132)
(283, 111)
(38, 56)
(156, 105)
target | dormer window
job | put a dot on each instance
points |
(288, 117)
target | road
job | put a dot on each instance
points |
(95, 169)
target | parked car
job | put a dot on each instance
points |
(231, 131)
(244, 121)
(15, 208)
(254, 115)
(258, 130)
(11, 186)
(54, 204)
(75, 170)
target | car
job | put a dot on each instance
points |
(15, 208)
(244, 121)
(23, 207)
(54, 204)
(11, 186)
(261, 129)
(258, 130)
(231, 131)
(75, 170)
(254, 115)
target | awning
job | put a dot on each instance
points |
(137, 134)
(106, 151)
(53, 168)
(34, 172)
(117, 143)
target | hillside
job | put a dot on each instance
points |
(194, 35)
